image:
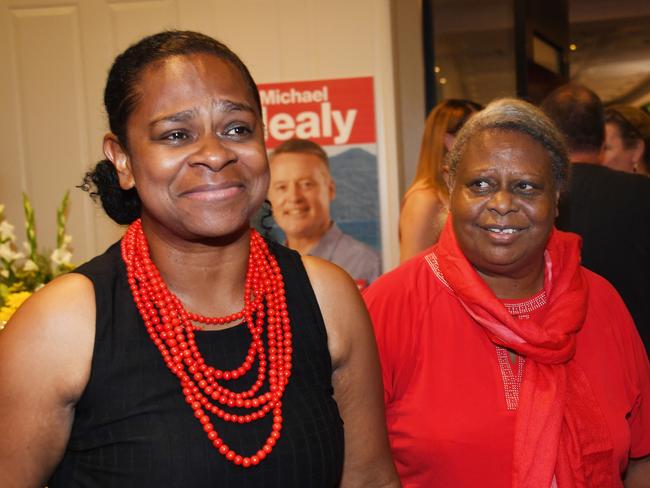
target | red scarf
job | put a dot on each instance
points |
(560, 433)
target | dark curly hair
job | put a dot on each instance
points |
(121, 96)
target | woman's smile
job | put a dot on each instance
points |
(503, 233)
(210, 192)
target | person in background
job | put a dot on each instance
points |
(193, 353)
(505, 362)
(300, 193)
(425, 203)
(627, 139)
(609, 209)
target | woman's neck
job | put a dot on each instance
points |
(207, 276)
(514, 287)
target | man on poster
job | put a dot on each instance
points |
(300, 193)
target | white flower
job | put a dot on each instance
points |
(67, 239)
(8, 254)
(4, 273)
(6, 231)
(30, 266)
(60, 257)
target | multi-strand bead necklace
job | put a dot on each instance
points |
(171, 329)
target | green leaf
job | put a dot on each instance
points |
(61, 218)
(30, 227)
(4, 293)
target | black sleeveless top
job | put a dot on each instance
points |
(132, 427)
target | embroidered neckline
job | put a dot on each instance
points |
(432, 260)
(518, 309)
(521, 307)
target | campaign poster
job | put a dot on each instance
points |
(338, 114)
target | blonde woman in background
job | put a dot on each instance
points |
(425, 204)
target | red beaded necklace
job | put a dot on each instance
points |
(170, 327)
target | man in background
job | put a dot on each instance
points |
(609, 209)
(300, 193)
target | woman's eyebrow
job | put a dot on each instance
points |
(176, 117)
(232, 106)
(221, 105)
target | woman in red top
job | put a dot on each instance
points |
(506, 363)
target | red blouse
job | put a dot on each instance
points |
(451, 394)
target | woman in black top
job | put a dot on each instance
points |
(193, 353)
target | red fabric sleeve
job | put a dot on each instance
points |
(621, 342)
(639, 368)
(385, 319)
(397, 302)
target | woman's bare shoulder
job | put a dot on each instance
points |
(423, 198)
(46, 350)
(340, 302)
(319, 269)
(423, 214)
(331, 284)
(69, 293)
(57, 325)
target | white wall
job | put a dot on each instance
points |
(57, 54)
(409, 77)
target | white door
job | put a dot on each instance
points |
(56, 55)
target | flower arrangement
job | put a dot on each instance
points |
(22, 273)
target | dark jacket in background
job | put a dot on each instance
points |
(611, 211)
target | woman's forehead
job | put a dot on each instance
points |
(196, 69)
(179, 83)
(505, 147)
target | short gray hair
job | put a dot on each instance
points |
(510, 114)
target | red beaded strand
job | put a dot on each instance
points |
(170, 327)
